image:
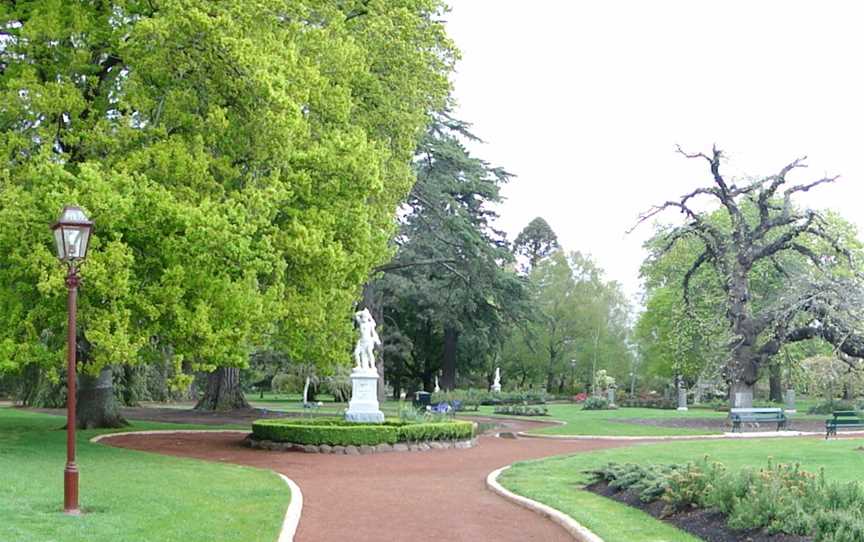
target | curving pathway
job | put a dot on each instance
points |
(433, 495)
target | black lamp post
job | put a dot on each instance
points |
(72, 235)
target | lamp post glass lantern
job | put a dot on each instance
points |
(72, 236)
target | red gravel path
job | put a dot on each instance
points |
(433, 495)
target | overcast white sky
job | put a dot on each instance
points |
(585, 101)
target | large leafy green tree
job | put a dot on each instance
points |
(776, 273)
(579, 325)
(448, 293)
(243, 161)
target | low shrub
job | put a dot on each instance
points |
(522, 410)
(338, 432)
(780, 498)
(450, 430)
(471, 398)
(652, 402)
(597, 403)
(579, 397)
(828, 407)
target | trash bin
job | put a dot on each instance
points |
(422, 399)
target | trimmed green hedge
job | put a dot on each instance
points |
(338, 432)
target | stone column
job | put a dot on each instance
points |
(682, 395)
(790, 401)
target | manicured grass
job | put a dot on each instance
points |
(556, 481)
(611, 422)
(294, 403)
(603, 422)
(127, 495)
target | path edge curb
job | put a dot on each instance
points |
(577, 530)
(295, 509)
(99, 438)
(295, 506)
(713, 436)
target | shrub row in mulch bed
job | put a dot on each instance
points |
(522, 410)
(777, 503)
(708, 525)
(360, 450)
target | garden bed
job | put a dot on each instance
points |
(335, 435)
(777, 503)
(708, 525)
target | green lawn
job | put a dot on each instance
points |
(610, 422)
(292, 402)
(556, 481)
(127, 495)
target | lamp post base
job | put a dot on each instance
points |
(70, 491)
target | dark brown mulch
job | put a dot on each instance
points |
(705, 524)
(722, 424)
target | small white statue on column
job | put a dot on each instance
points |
(496, 385)
(437, 388)
(363, 407)
(364, 352)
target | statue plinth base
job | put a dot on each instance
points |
(363, 407)
(496, 388)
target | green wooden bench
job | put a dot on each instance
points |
(842, 419)
(757, 415)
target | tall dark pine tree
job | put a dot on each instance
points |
(535, 242)
(448, 292)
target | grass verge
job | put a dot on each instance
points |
(127, 495)
(557, 481)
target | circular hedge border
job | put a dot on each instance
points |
(325, 434)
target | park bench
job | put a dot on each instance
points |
(310, 407)
(757, 415)
(842, 418)
(422, 399)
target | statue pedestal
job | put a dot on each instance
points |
(682, 399)
(363, 407)
(496, 388)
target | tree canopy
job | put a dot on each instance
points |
(449, 292)
(242, 161)
(535, 242)
(775, 271)
(579, 325)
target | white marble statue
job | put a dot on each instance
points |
(496, 385)
(363, 407)
(364, 352)
(437, 388)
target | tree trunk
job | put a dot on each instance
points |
(741, 394)
(775, 383)
(97, 406)
(223, 391)
(448, 374)
(550, 382)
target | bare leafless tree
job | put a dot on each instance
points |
(817, 308)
